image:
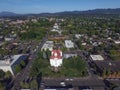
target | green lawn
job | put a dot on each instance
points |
(72, 67)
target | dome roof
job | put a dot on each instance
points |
(56, 54)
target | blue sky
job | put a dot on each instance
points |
(39, 6)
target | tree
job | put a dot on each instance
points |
(14, 51)
(76, 67)
(48, 53)
(34, 84)
(3, 52)
(2, 86)
(24, 85)
(22, 63)
(8, 74)
(17, 68)
(104, 72)
(2, 73)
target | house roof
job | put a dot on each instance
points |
(48, 44)
(12, 60)
(69, 44)
(56, 54)
(96, 57)
(117, 42)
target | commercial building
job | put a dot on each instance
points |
(10, 62)
(112, 67)
(56, 28)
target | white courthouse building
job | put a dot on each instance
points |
(56, 58)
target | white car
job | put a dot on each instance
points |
(71, 79)
(62, 83)
(67, 79)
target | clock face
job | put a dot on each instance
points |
(55, 54)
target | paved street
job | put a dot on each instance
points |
(74, 82)
(24, 74)
(114, 81)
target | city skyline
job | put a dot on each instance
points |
(42, 6)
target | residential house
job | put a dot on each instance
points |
(69, 44)
(96, 58)
(48, 45)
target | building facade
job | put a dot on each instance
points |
(56, 58)
(10, 63)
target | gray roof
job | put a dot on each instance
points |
(13, 59)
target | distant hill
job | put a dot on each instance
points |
(95, 11)
(7, 14)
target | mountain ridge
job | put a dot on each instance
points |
(94, 11)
